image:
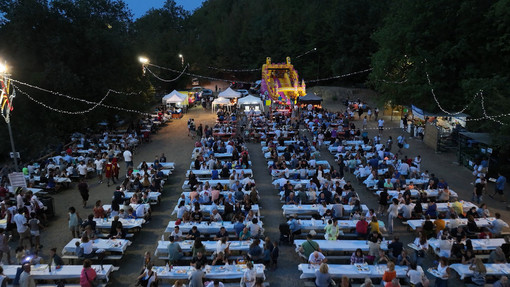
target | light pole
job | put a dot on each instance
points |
(182, 60)
(144, 61)
(6, 105)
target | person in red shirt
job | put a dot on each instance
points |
(362, 228)
(108, 170)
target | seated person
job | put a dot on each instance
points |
(221, 234)
(193, 233)
(317, 258)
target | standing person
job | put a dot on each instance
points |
(174, 251)
(88, 275)
(83, 188)
(99, 162)
(196, 278)
(479, 190)
(250, 275)
(376, 113)
(73, 219)
(115, 168)
(108, 171)
(128, 158)
(365, 123)
(392, 214)
(4, 246)
(26, 280)
(500, 187)
(23, 230)
(380, 125)
(35, 229)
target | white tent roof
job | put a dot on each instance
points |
(249, 100)
(221, 101)
(229, 93)
(175, 99)
(172, 94)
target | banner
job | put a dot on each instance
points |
(418, 113)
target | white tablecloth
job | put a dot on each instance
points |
(153, 195)
(480, 222)
(492, 269)
(126, 223)
(206, 209)
(444, 206)
(41, 272)
(351, 271)
(210, 246)
(212, 272)
(204, 227)
(165, 165)
(415, 193)
(112, 245)
(289, 209)
(307, 224)
(204, 173)
(341, 245)
(478, 244)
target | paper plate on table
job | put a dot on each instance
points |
(181, 271)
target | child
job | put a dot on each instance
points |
(73, 218)
(78, 251)
(35, 226)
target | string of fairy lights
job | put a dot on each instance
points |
(165, 80)
(93, 107)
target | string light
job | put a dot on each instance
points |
(168, 81)
(198, 76)
(341, 76)
(95, 104)
(235, 70)
(485, 112)
(439, 105)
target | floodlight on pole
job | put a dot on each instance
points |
(6, 99)
(182, 59)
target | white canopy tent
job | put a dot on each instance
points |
(175, 98)
(221, 102)
(250, 101)
(229, 94)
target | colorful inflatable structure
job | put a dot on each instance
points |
(280, 82)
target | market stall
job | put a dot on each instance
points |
(221, 102)
(250, 103)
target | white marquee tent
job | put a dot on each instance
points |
(175, 98)
(221, 102)
(229, 94)
(249, 102)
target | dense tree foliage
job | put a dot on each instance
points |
(85, 47)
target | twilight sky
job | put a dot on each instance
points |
(139, 7)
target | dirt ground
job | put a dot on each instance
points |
(177, 146)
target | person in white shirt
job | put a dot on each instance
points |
(128, 158)
(392, 214)
(177, 233)
(99, 162)
(82, 169)
(380, 125)
(417, 276)
(140, 211)
(317, 258)
(22, 228)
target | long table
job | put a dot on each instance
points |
(478, 244)
(312, 224)
(480, 222)
(416, 193)
(42, 272)
(111, 245)
(165, 165)
(341, 245)
(203, 173)
(207, 209)
(289, 209)
(126, 223)
(493, 269)
(351, 271)
(444, 206)
(210, 246)
(211, 272)
(204, 227)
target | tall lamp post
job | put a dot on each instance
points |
(182, 59)
(6, 107)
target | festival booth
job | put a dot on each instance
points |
(222, 102)
(229, 94)
(310, 99)
(250, 103)
(177, 101)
